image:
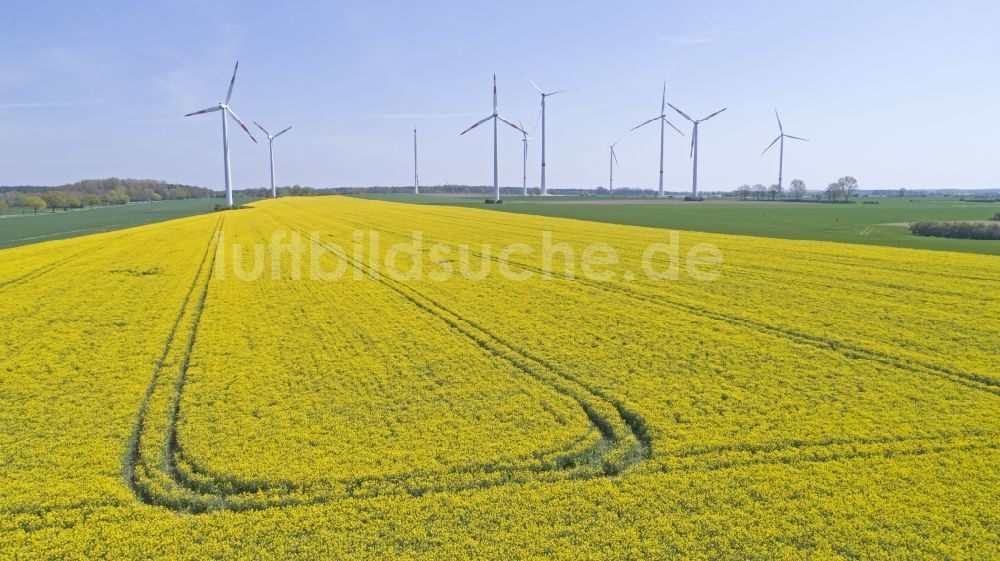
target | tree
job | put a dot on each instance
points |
(91, 200)
(3, 206)
(743, 191)
(758, 191)
(833, 190)
(774, 190)
(54, 199)
(798, 189)
(902, 191)
(848, 186)
(32, 202)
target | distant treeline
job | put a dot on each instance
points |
(94, 192)
(961, 230)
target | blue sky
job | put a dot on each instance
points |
(896, 93)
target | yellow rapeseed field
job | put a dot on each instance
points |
(333, 378)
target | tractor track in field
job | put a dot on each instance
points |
(244, 486)
(132, 446)
(796, 444)
(930, 445)
(849, 350)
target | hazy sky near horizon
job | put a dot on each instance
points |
(897, 93)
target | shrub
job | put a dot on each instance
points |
(960, 230)
(690, 198)
(996, 216)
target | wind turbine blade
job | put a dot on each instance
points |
(533, 84)
(209, 110)
(796, 138)
(714, 114)
(232, 82)
(693, 135)
(780, 128)
(511, 124)
(237, 119)
(672, 126)
(646, 123)
(538, 117)
(475, 125)
(262, 128)
(614, 156)
(683, 114)
(282, 132)
(770, 145)
(663, 100)
(494, 93)
(615, 143)
(561, 91)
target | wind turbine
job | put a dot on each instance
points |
(613, 161)
(544, 95)
(224, 107)
(694, 145)
(662, 118)
(270, 142)
(496, 117)
(781, 136)
(416, 181)
(524, 160)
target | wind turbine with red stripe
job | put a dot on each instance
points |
(270, 142)
(662, 118)
(544, 95)
(496, 117)
(694, 145)
(224, 107)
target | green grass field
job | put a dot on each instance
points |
(19, 229)
(875, 224)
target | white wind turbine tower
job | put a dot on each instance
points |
(224, 107)
(781, 137)
(613, 161)
(694, 145)
(662, 118)
(416, 181)
(544, 95)
(270, 142)
(496, 117)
